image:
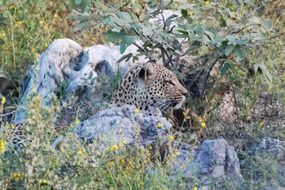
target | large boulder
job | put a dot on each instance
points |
(217, 159)
(124, 124)
(214, 160)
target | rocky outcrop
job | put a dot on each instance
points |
(65, 67)
(213, 160)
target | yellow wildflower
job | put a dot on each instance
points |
(12, 6)
(94, 38)
(261, 125)
(159, 125)
(113, 148)
(17, 176)
(190, 12)
(61, 148)
(44, 182)
(77, 121)
(137, 110)
(19, 24)
(171, 138)
(80, 151)
(207, 2)
(2, 34)
(110, 164)
(2, 146)
(176, 153)
(202, 122)
(3, 100)
(195, 188)
(122, 161)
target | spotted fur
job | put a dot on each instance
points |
(149, 86)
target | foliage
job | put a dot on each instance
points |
(223, 38)
(27, 27)
(71, 164)
(240, 44)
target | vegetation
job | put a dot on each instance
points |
(226, 47)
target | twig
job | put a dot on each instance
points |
(215, 62)
(161, 13)
(241, 29)
(9, 113)
(139, 47)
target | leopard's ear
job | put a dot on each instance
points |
(147, 72)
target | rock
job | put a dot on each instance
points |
(272, 147)
(47, 75)
(65, 68)
(62, 54)
(104, 59)
(213, 160)
(217, 159)
(122, 124)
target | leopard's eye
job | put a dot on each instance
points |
(168, 81)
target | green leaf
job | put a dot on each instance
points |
(125, 57)
(126, 41)
(218, 40)
(114, 36)
(240, 53)
(126, 16)
(116, 29)
(77, 2)
(231, 39)
(90, 76)
(199, 29)
(184, 13)
(263, 68)
(266, 24)
(228, 50)
(227, 66)
(176, 45)
(242, 41)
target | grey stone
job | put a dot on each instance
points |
(48, 74)
(271, 146)
(122, 124)
(104, 59)
(217, 159)
(212, 160)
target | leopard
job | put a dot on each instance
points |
(150, 86)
